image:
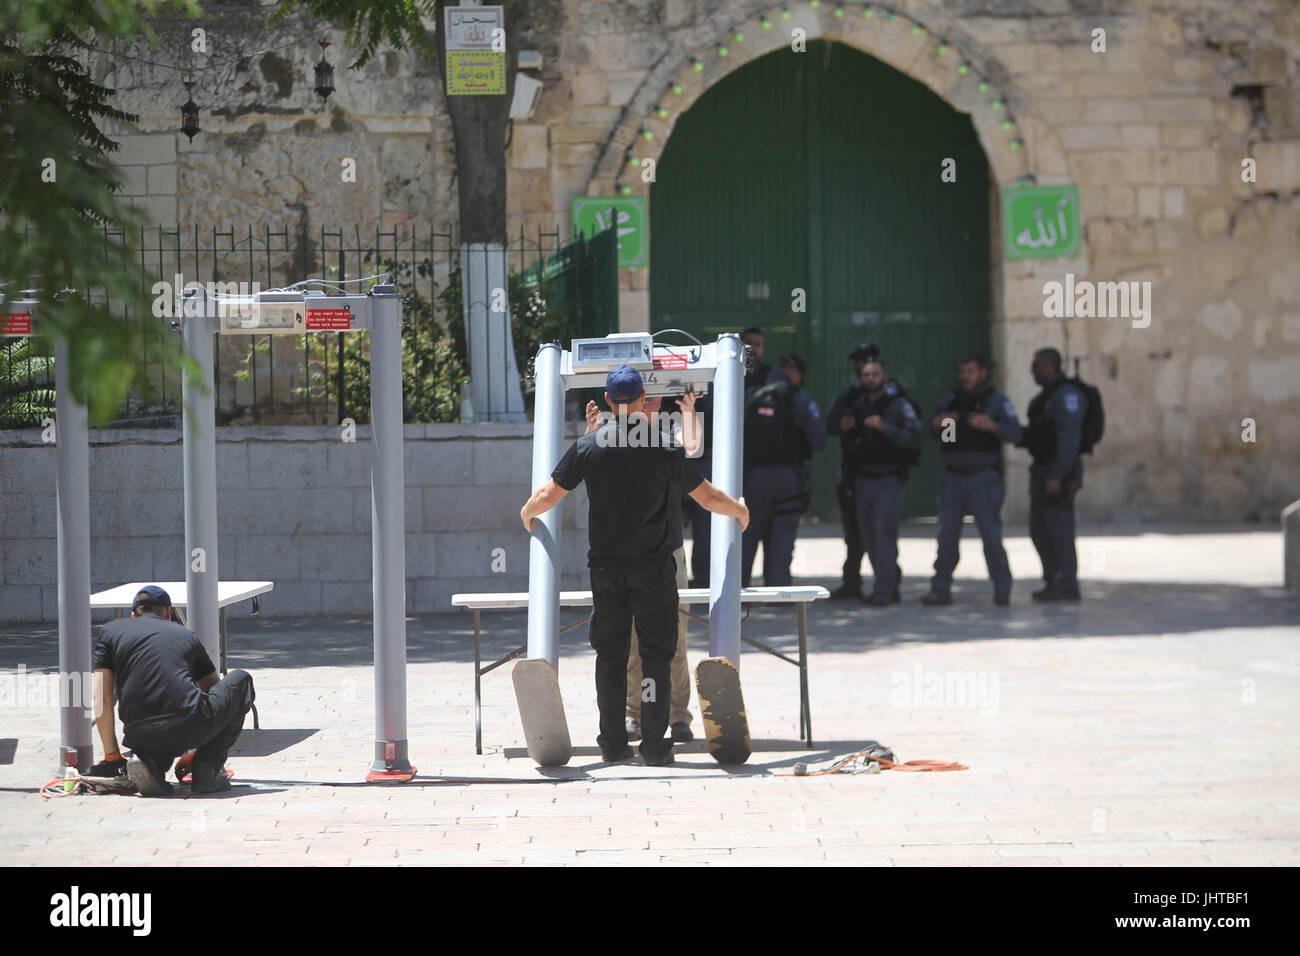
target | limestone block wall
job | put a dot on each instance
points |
(293, 508)
(1154, 131)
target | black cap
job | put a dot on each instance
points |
(866, 351)
(751, 330)
(152, 596)
(794, 361)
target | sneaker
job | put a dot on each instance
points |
(633, 729)
(1002, 600)
(148, 775)
(936, 598)
(621, 756)
(206, 780)
(667, 760)
(682, 732)
(108, 770)
(847, 592)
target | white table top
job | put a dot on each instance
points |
(516, 599)
(228, 592)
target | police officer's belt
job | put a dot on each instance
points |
(969, 469)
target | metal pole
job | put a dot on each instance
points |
(72, 469)
(728, 459)
(543, 549)
(199, 427)
(387, 521)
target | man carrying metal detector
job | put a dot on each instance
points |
(630, 478)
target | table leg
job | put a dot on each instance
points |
(478, 693)
(805, 711)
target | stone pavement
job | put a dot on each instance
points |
(1152, 724)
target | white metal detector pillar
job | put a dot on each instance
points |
(728, 475)
(72, 471)
(296, 311)
(388, 541)
(536, 678)
(72, 488)
(199, 421)
(543, 549)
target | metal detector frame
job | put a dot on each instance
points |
(72, 488)
(380, 312)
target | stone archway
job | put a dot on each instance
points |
(939, 54)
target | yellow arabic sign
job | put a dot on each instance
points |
(475, 71)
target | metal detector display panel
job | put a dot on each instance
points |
(591, 355)
(262, 318)
(16, 323)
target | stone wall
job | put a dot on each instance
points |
(1154, 131)
(293, 508)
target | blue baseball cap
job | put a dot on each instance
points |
(624, 385)
(151, 595)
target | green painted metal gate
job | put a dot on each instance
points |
(820, 171)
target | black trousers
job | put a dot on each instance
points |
(645, 590)
(211, 729)
(1051, 526)
(853, 550)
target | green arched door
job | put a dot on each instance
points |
(821, 172)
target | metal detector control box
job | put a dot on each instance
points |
(668, 370)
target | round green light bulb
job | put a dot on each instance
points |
(963, 70)
(696, 65)
(983, 87)
(765, 23)
(722, 51)
(677, 88)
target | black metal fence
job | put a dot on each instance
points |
(556, 291)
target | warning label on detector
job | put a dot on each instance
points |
(329, 319)
(670, 361)
(16, 323)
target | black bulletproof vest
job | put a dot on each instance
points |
(873, 451)
(968, 438)
(772, 436)
(1040, 433)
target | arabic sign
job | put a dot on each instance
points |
(469, 73)
(1041, 222)
(593, 214)
(476, 59)
(470, 28)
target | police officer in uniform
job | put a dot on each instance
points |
(839, 421)
(782, 429)
(759, 374)
(886, 433)
(971, 423)
(633, 530)
(1052, 436)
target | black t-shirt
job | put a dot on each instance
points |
(154, 663)
(633, 490)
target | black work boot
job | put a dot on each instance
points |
(204, 779)
(935, 598)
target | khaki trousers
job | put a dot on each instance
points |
(679, 710)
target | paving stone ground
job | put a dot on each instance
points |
(1151, 724)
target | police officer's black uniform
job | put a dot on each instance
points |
(973, 484)
(777, 448)
(851, 573)
(883, 461)
(1053, 437)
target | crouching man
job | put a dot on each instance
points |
(170, 697)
